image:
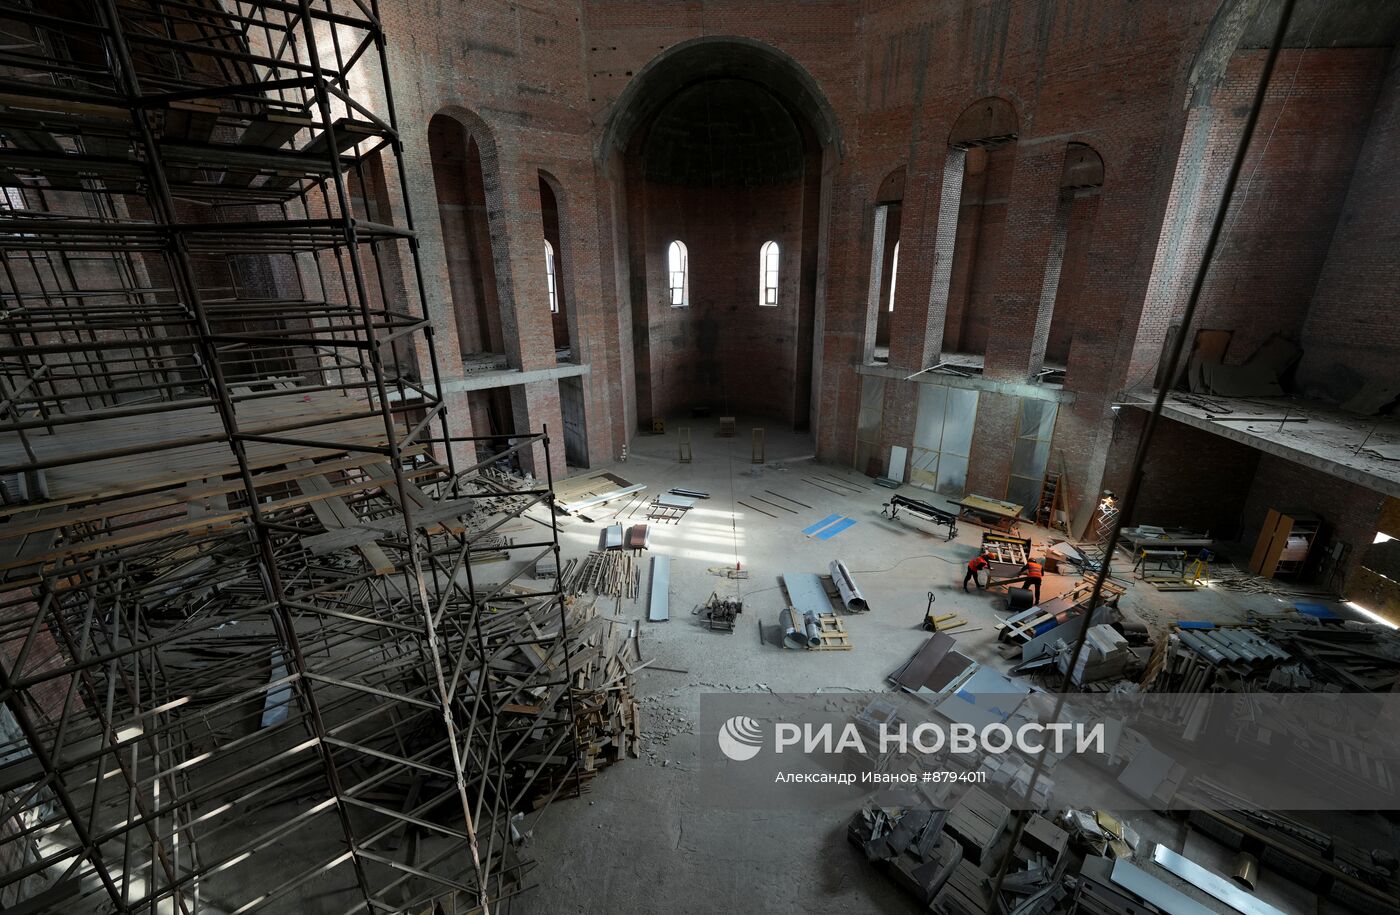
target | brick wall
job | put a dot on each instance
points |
(724, 350)
(543, 80)
(1286, 204)
(1350, 513)
(1191, 478)
(1351, 332)
(1074, 275)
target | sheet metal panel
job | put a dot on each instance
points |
(850, 591)
(659, 607)
(1212, 883)
(820, 524)
(1142, 884)
(836, 528)
(805, 592)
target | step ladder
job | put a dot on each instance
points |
(1096, 550)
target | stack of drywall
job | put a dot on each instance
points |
(1105, 655)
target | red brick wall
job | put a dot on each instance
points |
(1191, 478)
(723, 350)
(1286, 204)
(976, 253)
(1352, 332)
(1349, 512)
(545, 78)
(466, 236)
(1074, 275)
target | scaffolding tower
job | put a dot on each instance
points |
(250, 656)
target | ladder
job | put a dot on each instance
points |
(1049, 501)
(1096, 550)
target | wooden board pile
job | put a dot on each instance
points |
(534, 683)
(607, 573)
(604, 657)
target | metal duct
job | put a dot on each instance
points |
(806, 634)
(850, 594)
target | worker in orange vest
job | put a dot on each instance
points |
(977, 564)
(1033, 572)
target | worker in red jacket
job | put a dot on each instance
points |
(1033, 572)
(977, 564)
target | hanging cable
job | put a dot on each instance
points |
(1144, 443)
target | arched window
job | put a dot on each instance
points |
(894, 272)
(678, 274)
(768, 273)
(549, 277)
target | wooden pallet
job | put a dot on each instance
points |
(833, 634)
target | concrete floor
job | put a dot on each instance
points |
(644, 840)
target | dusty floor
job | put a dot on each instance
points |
(644, 839)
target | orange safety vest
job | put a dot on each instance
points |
(978, 563)
(1033, 570)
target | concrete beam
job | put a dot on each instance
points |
(975, 383)
(1320, 444)
(506, 378)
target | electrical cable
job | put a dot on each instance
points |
(1144, 443)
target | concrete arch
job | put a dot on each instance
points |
(717, 57)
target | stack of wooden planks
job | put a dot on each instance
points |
(607, 717)
(587, 675)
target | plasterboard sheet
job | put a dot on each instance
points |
(898, 456)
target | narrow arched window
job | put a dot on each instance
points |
(678, 274)
(549, 277)
(768, 274)
(894, 273)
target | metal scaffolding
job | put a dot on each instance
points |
(250, 651)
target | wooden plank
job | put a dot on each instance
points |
(115, 508)
(333, 513)
(418, 500)
(93, 468)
